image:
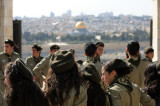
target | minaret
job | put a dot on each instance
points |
(6, 21)
(156, 30)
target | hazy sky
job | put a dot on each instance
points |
(37, 8)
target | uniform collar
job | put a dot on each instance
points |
(8, 54)
(134, 60)
(91, 59)
(124, 82)
(37, 60)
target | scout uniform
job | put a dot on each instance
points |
(4, 59)
(31, 61)
(137, 74)
(146, 51)
(61, 62)
(44, 66)
(125, 93)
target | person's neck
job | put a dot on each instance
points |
(36, 57)
(131, 56)
(9, 54)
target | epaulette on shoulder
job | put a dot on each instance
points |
(1, 53)
(15, 53)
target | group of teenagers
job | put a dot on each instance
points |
(71, 82)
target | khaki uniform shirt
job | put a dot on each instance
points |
(42, 69)
(121, 96)
(31, 62)
(137, 74)
(4, 59)
(2, 101)
(81, 101)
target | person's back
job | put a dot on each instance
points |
(21, 89)
(63, 81)
(139, 65)
(137, 74)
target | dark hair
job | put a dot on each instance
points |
(90, 49)
(133, 47)
(96, 95)
(59, 83)
(99, 44)
(152, 80)
(52, 47)
(149, 50)
(10, 42)
(36, 46)
(119, 66)
(22, 91)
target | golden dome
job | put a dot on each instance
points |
(80, 25)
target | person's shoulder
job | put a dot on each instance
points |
(116, 88)
(29, 57)
(2, 53)
(15, 53)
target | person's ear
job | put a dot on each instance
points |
(113, 73)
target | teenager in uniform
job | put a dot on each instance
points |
(138, 65)
(63, 87)
(149, 54)
(100, 47)
(8, 55)
(121, 90)
(41, 69)
(21, 90)
(33, 60)
(90, 52)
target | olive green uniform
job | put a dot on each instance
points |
(137, 74)
(4, 59)
(125, 93)
(147, 59)
(2, 101)
(31, 62)
(80, 101)
(43, 66)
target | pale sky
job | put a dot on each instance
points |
(37, 8)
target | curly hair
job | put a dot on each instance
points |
(152, 81)
(119, 66)
(96, 95)
(22, 91)
(61, 83)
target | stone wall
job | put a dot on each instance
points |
(6, 21)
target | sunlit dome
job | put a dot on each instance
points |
(80, 25)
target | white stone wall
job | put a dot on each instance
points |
(156, 29)
(6, 21)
